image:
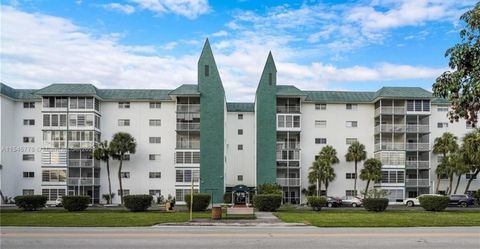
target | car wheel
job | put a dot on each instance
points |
(354, 205)
(463, 204)
(330, 205)
(409, 203)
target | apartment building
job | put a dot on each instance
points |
(192, 132)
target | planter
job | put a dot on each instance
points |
(216, 213)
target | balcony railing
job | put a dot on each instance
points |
(188, 126)
(418, 146)
(288, 145)
(288, 122)
(83, 181)
(285, 155)
(418, 128)
(188, 108)
(390, 146)
(396, 128)
(288, 181)
(417, 164)
(390, 110)
(417, 182)
(81, 144)
(83, 163)
(288, 109)
(193, 144)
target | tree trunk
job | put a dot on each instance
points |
(450, 185)
(318, 188)
(438, 184)
(110, 201)
(355, 180)
(458, 182)
(326, 188)
(120, 178)
(366, 189)
(471, 179)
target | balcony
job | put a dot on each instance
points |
(288, 109)
(390, 128)
(390, 110)
(418, 129)
(389, 146)
(286, 155)
(188, 126)
(80, 144)
(288, 181)
(417, 164)
(190, 108)
(417, 146)
(417, 182)
(288, 122)
(83, 163)
(288, 146)
(83, 181)
(193, 144)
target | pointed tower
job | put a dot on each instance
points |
(265, 123)
(212, 115)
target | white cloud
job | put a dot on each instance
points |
(220, 33)
(124, 8)
(188, 8)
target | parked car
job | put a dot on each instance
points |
(58, 202)
(333, 201)
(351, 201)
(461, 200)
(411, 202)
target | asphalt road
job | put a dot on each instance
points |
(239, 237)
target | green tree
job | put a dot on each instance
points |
(102, 152)
(356, 153)
(449, 164)
(321, 169)
(372, 171)
(461, 85)
(444, 145)
(471, 146)
(314, 176)
(461, 167)
(122, 143)
(327, 174)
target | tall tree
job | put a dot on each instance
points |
(122, 143)
(356, 153)
(461, 85)
(327, 174)
(444, 145)
(471, 146)
(314, 176)
(321, 169)
(450, 163)
(102, 152)
(372, 171)
(461, 167)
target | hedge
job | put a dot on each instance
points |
(137, 203)
(30, 202)
(227, 197)
(75, 202)
(434, 203)
(316, 202)
(267, 202)
(200, 201)
(375, 204)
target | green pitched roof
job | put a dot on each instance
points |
(440, 101)
(18, 94)
(133, 94)
(68, 89)
(402, 92)
(240, 107)
(339, 96)
(186, 89)
(289, 90)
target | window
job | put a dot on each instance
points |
(46, 120)
(28, 192)
(155, 105)
(469, 176)
(185, 175)
(80, 120)
(124, 105)
(155, 192)
(28, 174)
(270, 78)
(54, 175)
(187, 157)
(320, 140)
(155, 122)
(28, 104)
(350, 140)
(29, 139)
(350, 175)
(351, 124)
(351, 106)
(350, 193)
(240, 147)
(53, 194)
(125, 192)
(180, 193)
(28, 157)
(154, 140)
(240, 178)
(153, 157)
(418, 105)
(240, 116)
(29, 122)
(155, 174)
(125, 174)
(207, 71)
(321, 107)
(240, 132)
(393, 176)
(55, 102)
(320, 123)
(442, 125)
(442, 109)
(124, 122)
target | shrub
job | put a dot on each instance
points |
(200, 201)
(269, 189)
(267, 202)
(477, 197)
(375, 204)
(75, 202)
(30, 202)
(434, 203)
(136, 203)
(227, 197)
(316, 202)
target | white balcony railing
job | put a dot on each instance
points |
(417, 146)
(288, 181)
(417, 182)
(285, 155)
(418, 164)
(390, 110)
(81, 144)
(188, 108)
(192, 144)
(288, 109)
(83, 181)
(188, 126)
(288, 145)
(288, 122)
(418, 128)
(83, 163)
(390, 146)
(396, 128)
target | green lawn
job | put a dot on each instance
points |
(361, 218)
(55, 218)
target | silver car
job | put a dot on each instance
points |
(351, 201)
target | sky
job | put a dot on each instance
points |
(317, 45)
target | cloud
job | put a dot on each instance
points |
(187, 8)
(124, 8)
(220, 33)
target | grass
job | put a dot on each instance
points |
(362, 218)
(93, 218)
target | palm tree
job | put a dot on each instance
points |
(319, 172)
(460, 168)
(329, 155)
(122, 144)
(471, 146)
(102, 152)
(449, 164)
(356, 153)
(327, 174)
(445, 144)
(372, 171)
(314, 176)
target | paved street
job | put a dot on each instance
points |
(239, 237)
